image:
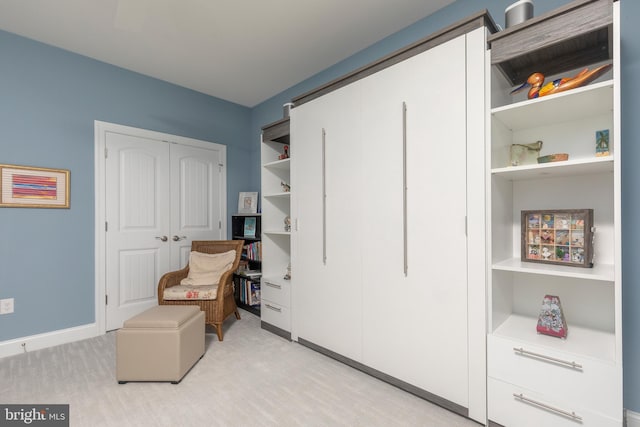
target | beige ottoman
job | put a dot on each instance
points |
(160, 344)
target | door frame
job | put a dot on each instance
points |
(100, 130)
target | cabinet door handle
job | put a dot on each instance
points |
(572, 415)
(269, 306)
(404, 188)
(273, 285)
(324, 197)
(522, 352)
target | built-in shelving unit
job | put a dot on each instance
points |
(276, 228)
(583, 372)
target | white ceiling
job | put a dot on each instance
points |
(243, 51)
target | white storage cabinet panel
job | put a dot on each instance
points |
(327, 257)
(381, 246)
(399, 114)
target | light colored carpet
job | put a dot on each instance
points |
(252, 378)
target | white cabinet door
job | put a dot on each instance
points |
(415, 325)
(326, 262)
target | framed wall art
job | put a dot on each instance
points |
(563, 236)
(33, 187)
(248, 202)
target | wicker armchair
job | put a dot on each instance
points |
(218, 309)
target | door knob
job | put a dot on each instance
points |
(163, 238)
(178, 238)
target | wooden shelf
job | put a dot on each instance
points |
(277, 131)
(572, 36)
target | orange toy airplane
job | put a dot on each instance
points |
(536, 81)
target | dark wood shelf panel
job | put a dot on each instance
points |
(277, 131)
(573, 36)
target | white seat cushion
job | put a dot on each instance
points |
(190, 292)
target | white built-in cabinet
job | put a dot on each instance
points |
(275, 284)
(388, 247)
(534, 379)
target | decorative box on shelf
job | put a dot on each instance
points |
(562, 236)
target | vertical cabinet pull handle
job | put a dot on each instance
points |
(404, 187)
(324, 197)
(572, 415)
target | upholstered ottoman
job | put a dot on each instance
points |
(160, 344)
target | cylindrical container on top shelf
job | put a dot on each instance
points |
(286, 109)
(518, 12)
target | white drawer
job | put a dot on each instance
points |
(534, 409)
(594, 384)
(275, 315)
(276, 291)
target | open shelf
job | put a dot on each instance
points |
(588, 101)
(603, 272)
(580, 341)
(283, 164)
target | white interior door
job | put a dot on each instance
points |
(137, 226)
(159, 196)
(196, 189)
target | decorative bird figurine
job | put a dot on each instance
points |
(538, 88)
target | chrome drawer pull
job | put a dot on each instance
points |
(273, 285)
(279, 310)
(523, 352)
(567, 414)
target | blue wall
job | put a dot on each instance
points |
(271, 110)
(49, 99)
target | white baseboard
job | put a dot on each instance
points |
(633, 419)
(49, 339)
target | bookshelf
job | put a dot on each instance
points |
(247, 280)
(276, 215)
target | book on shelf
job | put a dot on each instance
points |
(250, 227)
(249, 291)
(253, 251)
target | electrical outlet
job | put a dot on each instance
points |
(6, 306)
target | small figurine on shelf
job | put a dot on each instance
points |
(551, 320)
(285, 153)
(538, 88)
(287, 274)
(287, 223)
(285, 187)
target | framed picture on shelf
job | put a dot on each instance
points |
(33, 187)
(563, 236)
(248, 202)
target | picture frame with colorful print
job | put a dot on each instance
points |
(561, 237)
(34, 187)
